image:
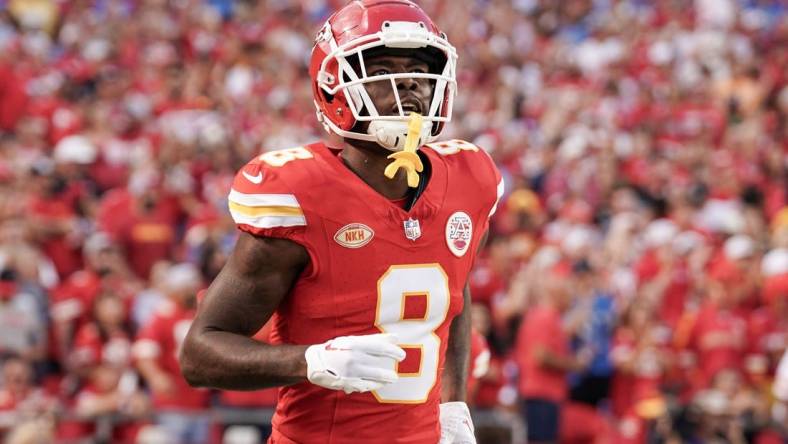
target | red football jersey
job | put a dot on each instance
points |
(374, 268)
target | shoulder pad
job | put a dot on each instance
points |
(262, 196)
(449, 147)
(477, 162)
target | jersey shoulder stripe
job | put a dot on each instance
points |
(266, 210)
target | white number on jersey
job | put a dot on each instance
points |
(452, 147)
(281, 157)
(397, 285)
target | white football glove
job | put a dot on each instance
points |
(354, 363)
(456, 424)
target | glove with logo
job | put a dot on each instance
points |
(456, 424)
(354, 363)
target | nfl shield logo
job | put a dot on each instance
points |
(412, 229)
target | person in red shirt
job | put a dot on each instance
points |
(719, 333)
(143, 219)
(156, 355)
(73, 300)
(489, 378)
(20, 398)
(101, 357)
(52, 217)
(544, 358)
(106, 339)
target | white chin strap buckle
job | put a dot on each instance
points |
(391, 135)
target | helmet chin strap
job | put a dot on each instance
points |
(392, 135)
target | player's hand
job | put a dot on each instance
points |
(354, 363)
(456, 424)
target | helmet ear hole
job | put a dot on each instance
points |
(342, 115)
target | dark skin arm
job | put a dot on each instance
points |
(458, 353)
(219, 350)
(458, 350)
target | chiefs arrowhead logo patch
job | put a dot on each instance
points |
(459, 230)
(354, 235)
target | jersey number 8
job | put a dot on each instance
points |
(413, 301)
(280, 157)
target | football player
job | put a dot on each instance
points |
(359, 247)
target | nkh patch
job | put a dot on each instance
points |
(354, 235)
(412, 229)
(459, 230)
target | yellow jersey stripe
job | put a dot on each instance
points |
(272, 210)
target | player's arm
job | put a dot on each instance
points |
(458, 351)
(219, 350)
(455, 418)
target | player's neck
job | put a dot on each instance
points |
(368, 163)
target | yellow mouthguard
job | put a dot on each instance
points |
(407, 158)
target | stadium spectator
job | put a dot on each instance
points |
(179, 406)
(545, 359)
(648, 138)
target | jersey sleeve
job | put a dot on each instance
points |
(262, 203)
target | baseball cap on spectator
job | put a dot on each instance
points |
(577, 240)
(722, 216)
(774, 269)
(97, 242)
(152, 434)
(712, 402)
(573, 147)
(660, 232)
(775, 262)
(75, 149)
(546, 257)
(687, 241)
(182, 277)
(739, 247)
(241, 435)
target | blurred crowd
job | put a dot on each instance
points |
(635, 280)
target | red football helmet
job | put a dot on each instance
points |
(338, 89)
